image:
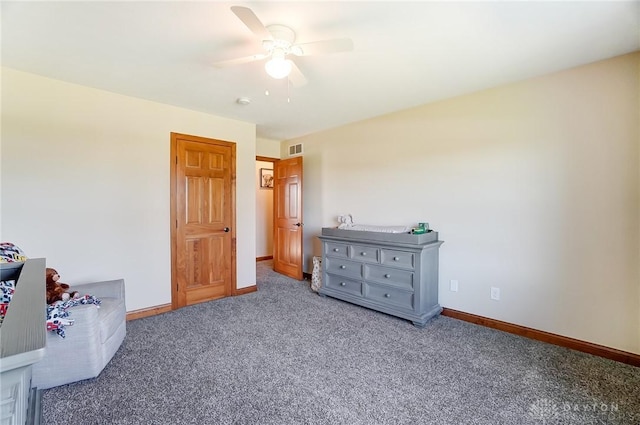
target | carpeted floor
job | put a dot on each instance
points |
(284, 355)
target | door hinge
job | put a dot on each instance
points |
(176, 224)
(176, 160)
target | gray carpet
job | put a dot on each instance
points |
(284, 355)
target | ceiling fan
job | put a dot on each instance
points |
(279, 43)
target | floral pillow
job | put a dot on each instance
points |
(10, 253)
(7, 288)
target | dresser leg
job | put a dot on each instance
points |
(419, 324)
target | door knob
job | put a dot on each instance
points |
(298, 224)
(226, 229)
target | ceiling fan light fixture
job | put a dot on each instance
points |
(279, 41)
(278, 67)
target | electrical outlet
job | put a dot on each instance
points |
(495, 293)
(453, 285)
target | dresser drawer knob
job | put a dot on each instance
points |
(342, 283)
(343, 267)
(387, 275)
(396, 258)
(387, 295)
(336, 249)
(363, 253)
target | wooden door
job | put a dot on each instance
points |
(202, 219)
(287, 217)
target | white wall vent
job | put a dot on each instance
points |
(295, 150)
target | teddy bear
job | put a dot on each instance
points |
(57, 291)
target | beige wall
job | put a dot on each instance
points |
(534, 187)
(267, 147)
(85, 182)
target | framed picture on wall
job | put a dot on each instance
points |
(266, 177)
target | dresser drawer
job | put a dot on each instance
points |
(343, 267)
(389, 276)
(390, 296)
(342, 284)
(336, 250)
(367, 254)
(403, 259)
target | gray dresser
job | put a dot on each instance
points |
(395, 273)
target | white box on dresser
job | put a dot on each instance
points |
(395, 273)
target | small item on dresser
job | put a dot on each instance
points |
(346, 223)
(422, 228)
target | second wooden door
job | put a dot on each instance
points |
(287, 217)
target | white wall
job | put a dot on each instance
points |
(534, 187)
(264, 214)
(85, 182)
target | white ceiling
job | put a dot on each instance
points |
(405, 53)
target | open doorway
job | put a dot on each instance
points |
(264, 208)
(280, 228)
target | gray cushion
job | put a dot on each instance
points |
(111, 314)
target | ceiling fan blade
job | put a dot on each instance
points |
(252, 22)
(323, 47)
(296, 76)
(239, 61)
